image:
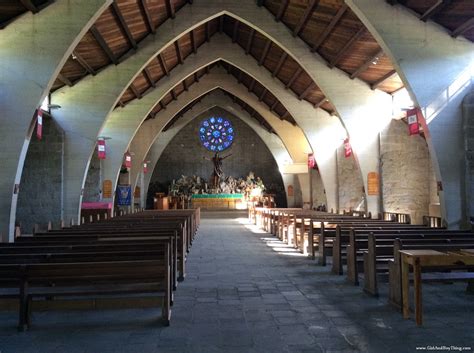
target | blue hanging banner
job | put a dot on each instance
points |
(124, 195)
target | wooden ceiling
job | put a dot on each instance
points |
(11, 9)
(457, 16)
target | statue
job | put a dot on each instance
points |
(218, 172)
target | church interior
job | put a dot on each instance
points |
(236, 176)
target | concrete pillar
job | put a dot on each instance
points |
(34, 49)
(435, 69)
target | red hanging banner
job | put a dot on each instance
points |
(145, 167)
(412, 117)
(127, 161)
(101, 149)
(312, 161)
(347, 148)
(39, 124)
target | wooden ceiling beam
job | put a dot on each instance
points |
(123, 25)
(262, 95)
(463, 28)
(272, 108)
(64, 80)
(103, 44)
(147, 16)
(170, 8)
(196, 77)
(329, 28)
(306, 16)
(285, 115)
(308, 89)
(265, 52)
(173, 95)
(83, 63)
(433, 10)
(382, 79)
(208, 31)
(294, 77)
(178, 52)
(281, 10)
(162, 106)
(249, 42)
(193, 42)
(346, 47)
(185, 85)
(240, 77)
(235, 32)
(366, 64)
(121, 103)
(135, 91)
(27, 4)
(319, 103)
(252, 85)
(147, 74)
(163, 65)
(280, 64)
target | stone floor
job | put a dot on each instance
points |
(247, 292)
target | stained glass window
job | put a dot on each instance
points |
(216, 134)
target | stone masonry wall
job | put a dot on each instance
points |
(185, 156)
(319, 195)
(39, 199)
(92, 185)
(351, 194)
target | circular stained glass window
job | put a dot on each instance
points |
(216, 134)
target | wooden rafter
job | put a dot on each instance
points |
(173, 95)
(366, 65)
(433, 10)
(193, 42)
(163, 65)
(178, 52)
(240, 76)
(83, 63)
(249, 41)
(162, 106)
(103, 44)
(294, 77)
(235, 32)
(280, 64)
(147, 16)
(135, 91)
(306, 16)
(329, 28)
(252, 85)
(265, 52)
(123, 25)
(170, 8)
(185, 85)
(121, 103)
(208, 31)
(463, 28)
(27, 4)
(281, 10)
(64, 80)
(285, 115)
(319, 103)
(272, 108)
(383, 79)
(147, 74)
(346, 47)
(262, 95)
(196, 77)
(308, 89)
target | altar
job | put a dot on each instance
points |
(223, 201)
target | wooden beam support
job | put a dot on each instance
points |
(103, 44)
(346, 47)
(294, 77)
(147, 74)
(173, 95)
(249, 42)
(285, 116)
(123, 25)
(281, 10)
(178, 52)
(382, 79)
(170, 8)
(306, 91)
(262, 95)
(121, 103)
(239, 78)
(306, 16)
(83, 63)
(147, 16)
(208, 31)
(64, 80)
(329, 28)
(433, 10)
(280, 64)
(193, 42)
(319, 103)
(163, 65)
(252, 85)
(196, 77)
(463, 28)
(265, 52)
(135, 91)
(185, 85)
(162, 106)
(272, 108)
(27, 4)
(366, 65)
(235, 32)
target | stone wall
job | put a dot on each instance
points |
(351, 193)
(92, 185)
(407, 174)
(184, 155)
(319, 194)
(40, 197)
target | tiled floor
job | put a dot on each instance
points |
(246, 292)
